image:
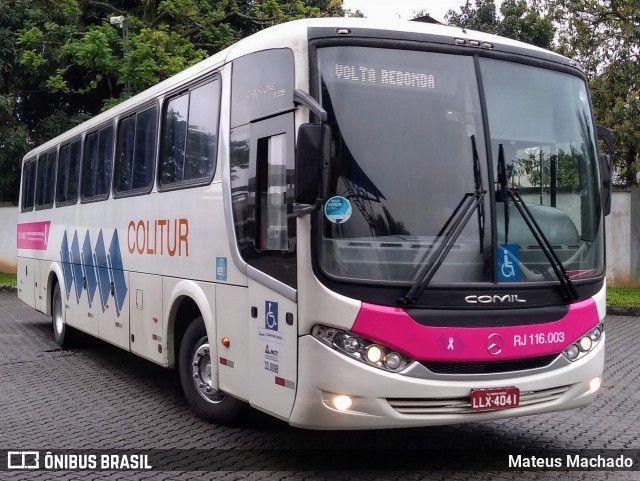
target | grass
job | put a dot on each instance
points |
(616, 296)
(7, 279)
(623, 296)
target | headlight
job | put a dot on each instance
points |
(584, 344)
(374, 354)
(364, 350)
(595, 334)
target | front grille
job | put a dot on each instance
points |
(489, 367)
(463, 405)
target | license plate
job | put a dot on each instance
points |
(494, 399)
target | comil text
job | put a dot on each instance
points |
(159, 237)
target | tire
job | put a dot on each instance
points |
(65, 336)
(194, 366)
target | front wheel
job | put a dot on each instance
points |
(65, 336)
(197, 376)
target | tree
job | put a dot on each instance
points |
(517, 21)
(61, 61)
(482, 17)
(604, 37)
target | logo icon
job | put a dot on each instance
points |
(23, 459)
(495, 344)
(337, 209)
(508, 262)
(98, 270)
(271, 315)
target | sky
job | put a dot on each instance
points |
(405, 9)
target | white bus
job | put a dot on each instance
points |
(343, 223)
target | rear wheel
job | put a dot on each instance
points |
(65, 336)
(198, 377)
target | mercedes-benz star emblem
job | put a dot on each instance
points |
(494, 344)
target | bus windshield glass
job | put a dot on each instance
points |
(409, 150)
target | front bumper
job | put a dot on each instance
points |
(388, 400)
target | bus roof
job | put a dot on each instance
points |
(298, 32)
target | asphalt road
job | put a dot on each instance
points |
(99, 397)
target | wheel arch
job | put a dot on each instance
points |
(55, 277)
(187, 301)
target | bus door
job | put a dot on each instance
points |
(273, 333)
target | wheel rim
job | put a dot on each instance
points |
(58, 322)
(201, 374)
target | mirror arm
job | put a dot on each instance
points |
(303, 98)
(300, 210)
(607, 136)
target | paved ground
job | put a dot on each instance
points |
(99, 397)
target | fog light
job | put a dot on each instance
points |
(572, 351)
(585, 343)
(595, 383)
(596, 334)
(393, 360)
(342, 403)
(374, 354)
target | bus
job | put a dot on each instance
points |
(344, 223)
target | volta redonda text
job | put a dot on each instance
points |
(159, 237)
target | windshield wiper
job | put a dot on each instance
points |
(542, 240)
(477, 176)
(502, 183)
(449, 234)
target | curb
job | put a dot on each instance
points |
(627, 311)
(8, 288)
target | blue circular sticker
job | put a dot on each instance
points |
(337, 209)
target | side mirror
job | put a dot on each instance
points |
(606, 164)
(312, 157)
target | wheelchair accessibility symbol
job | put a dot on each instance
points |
(271, 315)
(508, 262)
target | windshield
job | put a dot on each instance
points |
(409, 148)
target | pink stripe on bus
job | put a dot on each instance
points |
(33, 235)
(394, 328)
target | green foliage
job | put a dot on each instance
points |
(482, 17)
(523, 23)
(8, 279)
(156, 54)
(61, 61)
(535, 168)
(623, 296)
(517, 21)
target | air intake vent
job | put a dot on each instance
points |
(489, 367)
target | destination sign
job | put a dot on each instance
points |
(384, 76)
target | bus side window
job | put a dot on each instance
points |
(124, 154)
(96, 168)
(272, 191)
(145, 149)
(68, 173)
(135, 152)
(174, 139)
(28, 185)
(45, 179)
(189, 137)
(202, 132)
